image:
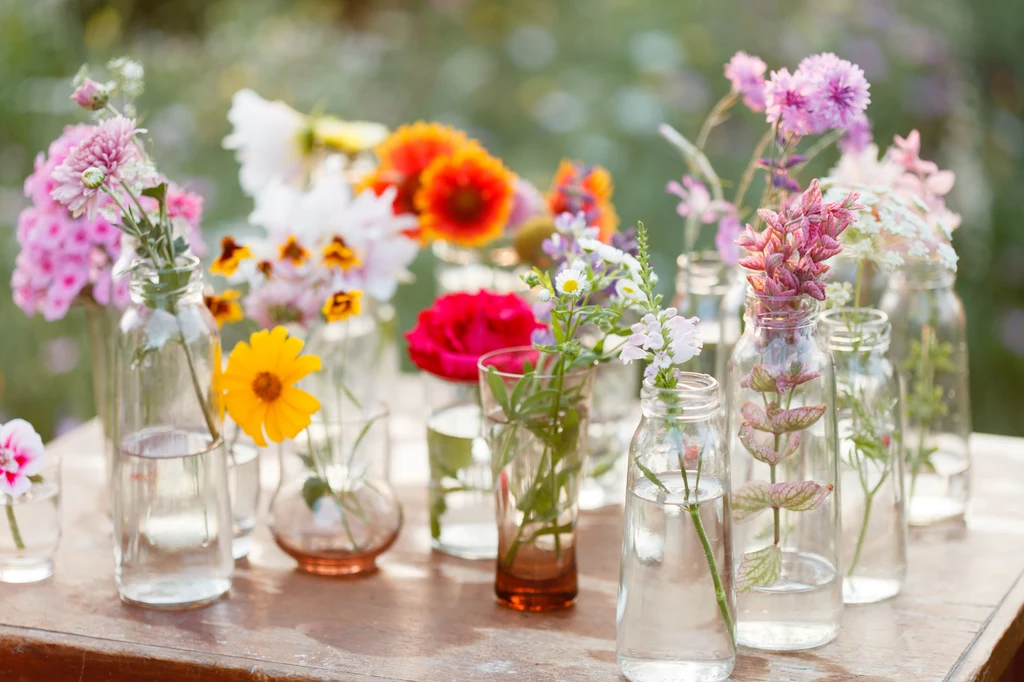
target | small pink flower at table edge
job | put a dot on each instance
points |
(21, 460)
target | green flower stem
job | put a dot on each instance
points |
(926, 375)
(869, 497)
(748, 174)
(13, 523)
(776, 512)
(720, 596)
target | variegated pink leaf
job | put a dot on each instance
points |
(798, 495)
(795, 377)
(795, 419)
(759, 569)
(792, 445)
(757, 446)
(760, 380)
(755, 415)
(749, 499)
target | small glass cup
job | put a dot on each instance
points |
(334, 510)
(461, 483)
(461, 269)
(31, 533)
(243, 488)
(613, 417)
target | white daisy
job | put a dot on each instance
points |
(571, 282)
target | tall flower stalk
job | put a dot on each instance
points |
(664, 340)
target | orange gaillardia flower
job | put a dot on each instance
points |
(259, 386)
(466, 198)
(293, 251)
(338, 254)
(406, 153)
(224, 306)
(342, 305)
(231, 254)
(577, 187)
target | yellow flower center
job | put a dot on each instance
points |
(570, 285)
(266, 386)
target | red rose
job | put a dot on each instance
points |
(450, 336)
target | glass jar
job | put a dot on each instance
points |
(702, 282)
(461, 489)
(870, 415)
(31, 533)
(352, 353)
(334, 510)
(929, 347)
(676, 598)
(615, 409)
(731, 314)
(243, 488)
(460, 269)
(783, 448)
(101, 326)
(171, 506)
(536, 426)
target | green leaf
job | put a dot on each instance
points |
(36, 478)
(364, 431)
(651, 476)
(756, 446)
(313, 489)
(798, 496)
(159, 192)
(498, 392)
(760, 380)
(448, 454)
(307, 460)
(795, 419)
(759, 569)
(180, 246)
(749, 500)
(518, 390)
(562, 479)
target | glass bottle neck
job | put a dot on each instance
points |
(854, 330)
(925, 275)
(703, 273)
(154, 287)
(695, 398)
(781, 313)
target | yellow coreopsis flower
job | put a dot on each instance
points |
(259, 386)
(224, 306)
(342, 305)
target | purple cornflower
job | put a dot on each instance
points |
(746, 73)
(788, 101)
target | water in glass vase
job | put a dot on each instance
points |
(938, 480)
(795, 613)
(168, 527)
(244, 489)
(461, 484)
(37, 517)
(664, 574)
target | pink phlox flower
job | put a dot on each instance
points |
(788, 100)
(697, 201)
(746, 73)
(110, 148)
(21, 456)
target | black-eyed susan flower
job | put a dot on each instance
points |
(259, 386)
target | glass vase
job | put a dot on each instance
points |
(101, 326)
(702, 281)
(675, 616)
(461, 489)
(536, 426)
(353, 355)
(929, 347)
(461, 269)
(334, 510)
(171, 505)
(731, 313)
(243, 488)
(869, 419)
(614, 412)
(31, 531)
(783, 447)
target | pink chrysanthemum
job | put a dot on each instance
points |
(111, 150)
(788, 100)
(746, 73)
(21, 456)
(839, 91)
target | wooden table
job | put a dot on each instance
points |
(428, 617)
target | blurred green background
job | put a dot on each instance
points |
(534, 80)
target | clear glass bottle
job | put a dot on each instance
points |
(614, 412)
(353, 354)
(101, 325)
(536, 427)
(460, 269)
(929, 347)
(334, 510)
(702, 282)
(171, 506)
(783, 448)
(675, 616)
(31, 529)
(243, 488)
(461, 488)
(731, 314)
(870, 416)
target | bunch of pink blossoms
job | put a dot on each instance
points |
(788, 256)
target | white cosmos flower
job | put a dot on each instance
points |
(267, 138)
(571, 282)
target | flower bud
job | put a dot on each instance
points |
(91, 95)
(93, 177)
(544, 295)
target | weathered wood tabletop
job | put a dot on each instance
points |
(427, 617)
